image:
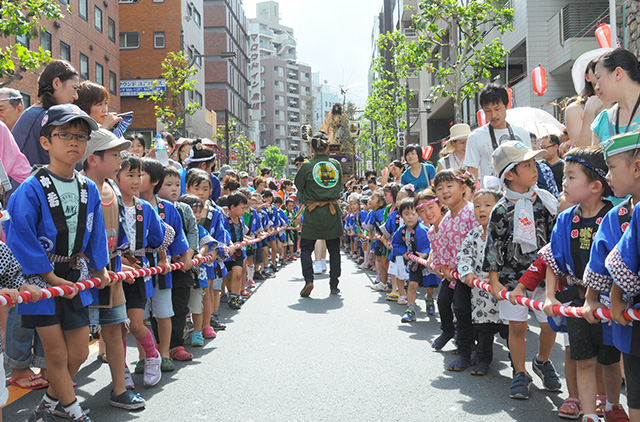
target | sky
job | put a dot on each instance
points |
(334, 38)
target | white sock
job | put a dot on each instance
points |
(74, 410)
(250, 271)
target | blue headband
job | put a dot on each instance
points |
(600, 172)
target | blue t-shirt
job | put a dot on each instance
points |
(27, 135)
(421, 182)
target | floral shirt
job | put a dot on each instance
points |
(451, 233)
(484, 307)
(501, 254)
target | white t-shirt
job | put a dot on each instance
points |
(480, 148)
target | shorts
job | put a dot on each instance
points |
(4, 392)
(632, 379)
(259, 255)
(65, 316)
(216, 283)
(133, 297)
(108, 316)
(519, 313)
(398, 268)
(250, 252)
(160, 305)
(586, 342)
(238, 262)
(380, 250)
(195, 300)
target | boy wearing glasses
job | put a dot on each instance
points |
(58, 235)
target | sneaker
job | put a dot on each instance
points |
(442, 340)
(268, 274)
(616, 414)
(167, 365)
(83, 418)
(61, 413)
(251, 284)
(273, 268)
(152, 371)
(258, 276)
(306, 291)
(128, 380)
(215, 323)
(402, 300)
(520, 386)
(197, 339)
(431, 307)
(335, 291)
(317, 267)
(547, 372)
(42, 416)
(381, 287)
(127, 400)
(235, 303)
(409, 316)
(208, 333)
(139, 369)
(224, 298)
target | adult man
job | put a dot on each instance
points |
(484, 140)
(552, 144)
(10, 106)
(319, 182)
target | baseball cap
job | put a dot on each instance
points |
(243, 175)
(512, 152)
(61, 114)
(102, 140)
(224, 170)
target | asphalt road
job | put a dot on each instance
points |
(323, 358)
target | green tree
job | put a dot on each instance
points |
(239, 145)
(451, 42)
(170, 105)
(275, 160)
(22, 18)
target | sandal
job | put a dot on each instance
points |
(601, 403)
(102, 357)
(180, 354)
(570, 409)
(30, 379)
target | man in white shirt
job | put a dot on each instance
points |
(484, 140)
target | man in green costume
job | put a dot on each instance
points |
(319, 182)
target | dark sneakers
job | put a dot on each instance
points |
(520, 386)
(547, 372)
(127, 400)
(306, 291)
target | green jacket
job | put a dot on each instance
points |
(320, 179)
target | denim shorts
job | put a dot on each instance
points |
(108, 316)
(216, 283)
(67, 317)
(159, 305)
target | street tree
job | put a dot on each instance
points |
(170, 104)
(239, 145)
(21, 18)
(275, 160)
(452, 43)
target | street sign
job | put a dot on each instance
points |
(232, 155)
(252, 168)
(253, 147)
(401, 139)
(135, 87)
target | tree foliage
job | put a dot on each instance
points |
(22, 18)
(239, 145)
(169, 103)
(275, 160)
(451, 43)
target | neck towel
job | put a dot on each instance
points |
(524, 226)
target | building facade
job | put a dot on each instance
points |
(170, 26)
(87, 37)
(324, 97)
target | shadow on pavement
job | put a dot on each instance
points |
(313, 305)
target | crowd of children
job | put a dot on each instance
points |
(123, 213)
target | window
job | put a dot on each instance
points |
(23, 40)
(197, 57)
(113, 83)
(199, 99)
(129, 40)
(82, 9)
(84, 66)
(196, 17)
(26, 100)
(45, 40)
(99, 74)
(159, 39)
(189, 10)
(111, 29)
(97, 17)
(65, 51)
(127, 1)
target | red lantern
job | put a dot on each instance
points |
(510, 93)
(482, 119)
(603, 35)
(539, 80)
(427, 151)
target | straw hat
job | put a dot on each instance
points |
(459, 131)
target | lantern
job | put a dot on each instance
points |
(426, 152)
(603, 35)
(539, 80)
(510, 94)
(482, 119)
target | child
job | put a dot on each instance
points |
(181, 281)
(411, 238)
(101, 164)
(272, 214)
(159, 306)
(57, 234)
(623, 159)
(431, 213)
(234, 224)
(252, 221)
(292, 234)
(281, 237)
(452, 186)
(376, 217)
(145, 230)
(485, 314)
(585, 184)
(512, 245)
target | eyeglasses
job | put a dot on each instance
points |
(70, 136)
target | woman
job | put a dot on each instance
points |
(93, 99)
(419, 173)
(138, 145)
(58, 84)
(452, 155)
(618, 80)
(183, 152)
(394, 170)
(319, 182)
